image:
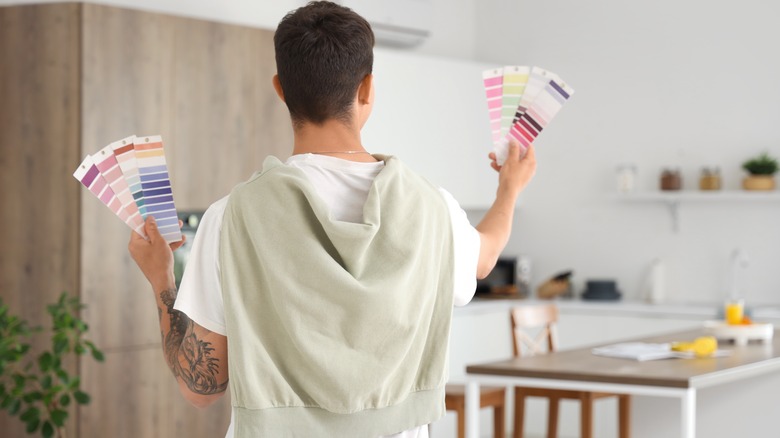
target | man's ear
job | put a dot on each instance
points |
(364, 90)
(278, 87)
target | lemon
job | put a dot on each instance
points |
(705, 346)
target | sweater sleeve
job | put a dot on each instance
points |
(200, 293)
(466, 249)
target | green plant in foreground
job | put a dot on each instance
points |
(764, 164)
(38, 389)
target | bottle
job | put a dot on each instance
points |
(626, 175)
(656, 282)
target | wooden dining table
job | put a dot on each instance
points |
(581, 370)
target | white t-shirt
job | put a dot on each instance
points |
(344, 187)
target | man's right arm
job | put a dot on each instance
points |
(495, 228)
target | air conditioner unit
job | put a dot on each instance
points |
(398, 23)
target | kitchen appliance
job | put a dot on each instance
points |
(601, 290)
(502, 280)
(190, 220)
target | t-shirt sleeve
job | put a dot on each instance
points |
(466, 248)
(200, 292)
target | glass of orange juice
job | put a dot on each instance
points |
(735, 311)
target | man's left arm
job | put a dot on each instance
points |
(196, 356)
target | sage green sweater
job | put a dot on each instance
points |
(336, 329)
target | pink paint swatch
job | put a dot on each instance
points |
(493, 83)
(534, 95)
(89, 175)
(108, 166)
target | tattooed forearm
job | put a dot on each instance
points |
(188, 356)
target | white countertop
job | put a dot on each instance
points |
(699, 311)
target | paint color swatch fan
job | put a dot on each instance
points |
(521, 103)
(130, 177)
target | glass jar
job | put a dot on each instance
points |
(671, 179)
(626, 177)
(710, 179)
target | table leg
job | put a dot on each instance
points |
(688, 417)
(472, 409)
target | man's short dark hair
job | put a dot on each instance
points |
(323, 52)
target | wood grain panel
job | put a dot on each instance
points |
(128, 62)
(227, 117)
(39, 138)
(205, 88)
(135, 395)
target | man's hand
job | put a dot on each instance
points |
(518, 169)
(154, 256)
(496, 226)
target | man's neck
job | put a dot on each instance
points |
(332, 138)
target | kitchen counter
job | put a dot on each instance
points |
(695, 311)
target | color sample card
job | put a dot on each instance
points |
(542, 110)
(537, 80)
(513, 88)
(106, 162)
(125, 156)
(493, 82)
(156, 188)
(130, 176)
(530, 97)
(89, 175)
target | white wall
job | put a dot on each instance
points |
(452, 24)
(690, 83)
(658, 83)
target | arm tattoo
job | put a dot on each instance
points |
(189, 357)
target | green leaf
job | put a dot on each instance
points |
(45, 361)
(64, 400)
(19, 380)
(32, 425)
(63, 375)
(58, 417)
(46, 382)
(7, 399)
(81, 397)
(79, 349)
(98, 355)
(74, 383)
(60, 346)
(47, 430)
(30, 414)
(32, 396)
(15, 405)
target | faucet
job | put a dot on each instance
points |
(739, 259)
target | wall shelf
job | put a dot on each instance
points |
(673, 199)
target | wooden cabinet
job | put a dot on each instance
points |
(75, 77)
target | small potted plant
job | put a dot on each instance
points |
(761, 171)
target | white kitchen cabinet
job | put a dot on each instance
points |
(432, 113)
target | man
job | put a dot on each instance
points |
(332, 274)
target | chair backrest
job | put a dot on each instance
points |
(528, 319)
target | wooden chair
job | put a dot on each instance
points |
(544, 318)
(455, 400)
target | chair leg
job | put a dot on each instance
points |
(460, 411)
(552, 418)
(624, 416)
(499, 422)
(586, 415)
(519, 414)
